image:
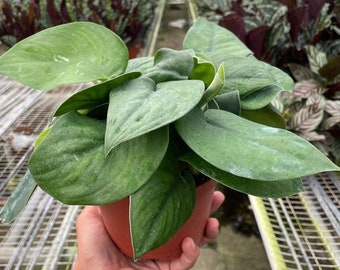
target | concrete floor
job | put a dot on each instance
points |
(233, 251)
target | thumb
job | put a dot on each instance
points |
(189, 255)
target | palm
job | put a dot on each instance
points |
(186, 261)
(97, 251)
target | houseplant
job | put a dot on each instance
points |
(151, 127)
(303, 38)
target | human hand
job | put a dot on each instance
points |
(96, 250)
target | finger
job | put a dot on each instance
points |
(211, 231)
(189, 255)
(89, 220)
(89, 212)
(218, 199)
(90, 228)
(92, 237)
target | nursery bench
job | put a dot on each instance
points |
(44, 235)
(302, 231)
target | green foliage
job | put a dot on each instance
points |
(151, 124)
(279, 31)
(166, 193)
(60, 57)
(303, 38)
(312, 110)
(19, 198)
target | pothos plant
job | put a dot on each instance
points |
(303, 38)
(149, 126)
(279, 31)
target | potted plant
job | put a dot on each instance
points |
(154, 129)
(281, 32)
(303, 39)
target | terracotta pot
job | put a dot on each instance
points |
(116, 219)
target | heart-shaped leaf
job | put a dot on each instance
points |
(70, 162)
(140, 64)
(257, 82)
(161, 207)
(248, 149)
(135, 106)
(266, 189)
(69, 53)
(166, 67)
(94, 95)
(214, 41)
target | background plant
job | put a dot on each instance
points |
(301, 37)
(22, 18)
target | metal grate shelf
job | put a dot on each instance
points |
(43, 237)
(303, 231)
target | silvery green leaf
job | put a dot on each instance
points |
(18, 199)
(161, 207)
(140, 106)
(70, 162)
(68, 53)
(248, 149)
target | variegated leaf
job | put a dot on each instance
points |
(331, 70)
(333, 107)
(317, 101)
(307, 119)
(277, 33)
(278, 13)
(316, 58)
(278, 105)
(320, 90)
(325, 18)
(331, 122)
(336, 79)
(304, 89)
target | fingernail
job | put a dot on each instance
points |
(192, 243)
